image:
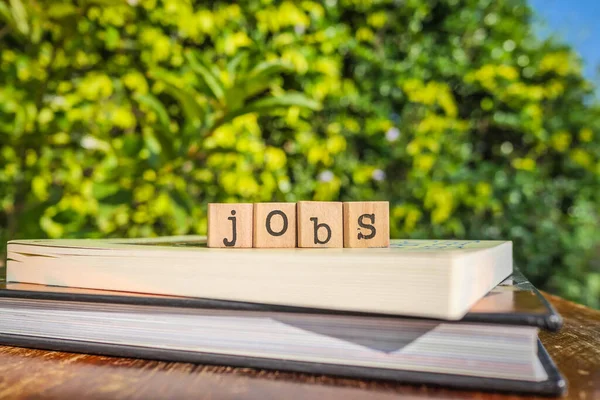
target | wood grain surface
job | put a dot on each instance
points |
(280, 218)
(36, 374)
(366, 223)
(320, 224)
(223, 217)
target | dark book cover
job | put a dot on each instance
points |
(514, 302)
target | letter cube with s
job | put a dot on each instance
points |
(320, 224)
(366, 224)
(230, 224)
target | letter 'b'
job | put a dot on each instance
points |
(319, 226)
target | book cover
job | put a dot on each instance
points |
(421, 278)
(514, 302)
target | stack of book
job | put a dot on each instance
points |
(451, 313)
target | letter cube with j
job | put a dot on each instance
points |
(275, 225)
(367, 224)
(230, 225)
(320, 224)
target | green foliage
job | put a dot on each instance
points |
(127, 118)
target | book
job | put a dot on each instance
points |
(422, 278)
(494, 347)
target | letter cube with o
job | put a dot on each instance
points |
(367, 224)
(320, 224)
(230, 224)
(274, 224)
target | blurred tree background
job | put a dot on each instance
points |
(126, 118)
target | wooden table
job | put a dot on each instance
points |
(26, 373)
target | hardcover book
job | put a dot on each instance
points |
(494, 347)
(421, 278)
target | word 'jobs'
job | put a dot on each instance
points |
(308, 224)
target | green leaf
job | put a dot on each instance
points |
(269, 68)
(259, 79)
(20, 122)
(266, 105)
(238, 94)
(191, 109)
(120, 197)
(211, 81)
(163, 134)
(180, 215)
(182, 198)
(61, 10)
(5, 12)
(20, 16)
(234, 63)
(103, 2)
(36, 29)
(112, 38)
(103, 189)
(153, 103)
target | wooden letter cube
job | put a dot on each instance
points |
(274, 224)
(320, 224)
(230, 225)
(367, 224)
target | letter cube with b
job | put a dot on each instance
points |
(230, 225)
(367, 224)
(320, 224)
(275, 225)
